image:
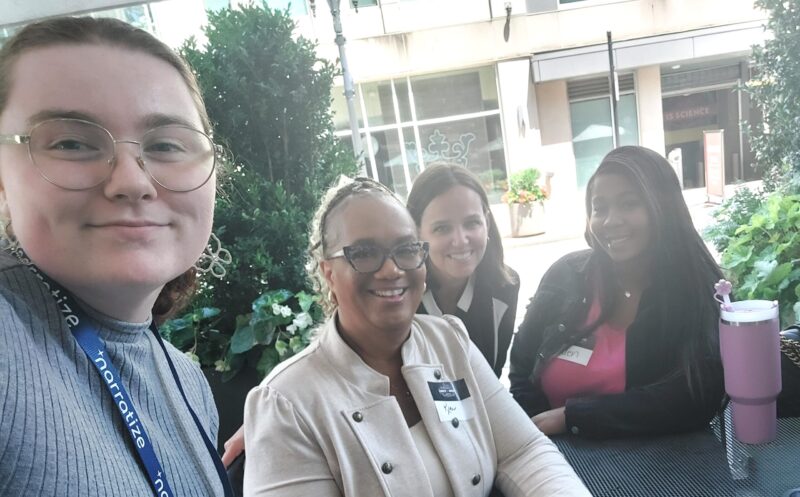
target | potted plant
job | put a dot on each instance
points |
(280, 325)
(525, 199)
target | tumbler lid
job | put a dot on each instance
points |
(750, 311)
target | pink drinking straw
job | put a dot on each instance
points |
(723, 294)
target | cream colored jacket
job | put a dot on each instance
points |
(323, 424)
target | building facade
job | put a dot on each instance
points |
(498, 86)
(501, 86)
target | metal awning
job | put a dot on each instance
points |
(708, 43)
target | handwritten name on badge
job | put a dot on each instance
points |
(578, 355)
(452, 400)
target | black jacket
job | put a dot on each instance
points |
(657, 398)
(479, 319)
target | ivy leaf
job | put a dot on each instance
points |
(763, 268)
(281, 347)
(778, 275)
(736, 256)
(296, 343)
(269, 359)
(305, 300)
(243, 339)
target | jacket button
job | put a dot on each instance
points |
(387, 467)
(358, 417)
(437, 374)
(476, 478)
(561, 327)
(455, 422)
(574, 430)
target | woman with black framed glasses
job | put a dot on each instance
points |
(107, 190)
(386, 403)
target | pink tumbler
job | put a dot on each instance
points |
(749, 335)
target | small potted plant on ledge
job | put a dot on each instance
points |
(525, 199)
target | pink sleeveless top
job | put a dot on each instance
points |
(603, 374)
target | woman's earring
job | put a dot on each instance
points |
(214, 259)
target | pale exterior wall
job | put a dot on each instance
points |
(649, 108)
(375, 55)
(556, 156)
(522, 140)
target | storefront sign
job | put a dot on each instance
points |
(714, 155)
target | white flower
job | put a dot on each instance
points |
(192, 356)
(302, 321)
(276, 309)
(286, 311)
(221, 366)
(291, 328)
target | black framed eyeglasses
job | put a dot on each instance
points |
(78, 155)
(370, 258)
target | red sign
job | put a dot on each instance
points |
(714, 155)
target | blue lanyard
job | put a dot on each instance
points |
(87, 338)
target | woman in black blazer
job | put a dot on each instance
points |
(466, 274)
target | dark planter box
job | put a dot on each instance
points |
(229, 397)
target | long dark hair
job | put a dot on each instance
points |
(110, 32)
(683, 272)
(436, 180)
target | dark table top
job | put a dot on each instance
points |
(705, 463)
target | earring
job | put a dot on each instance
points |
(8, 241)
(214, 259)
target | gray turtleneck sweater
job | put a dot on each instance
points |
(60, 432)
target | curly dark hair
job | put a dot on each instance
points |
(319, 238)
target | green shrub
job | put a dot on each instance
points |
(762, 257)
(268, 96)
(775, 91)
(280, 325)
(733, 213)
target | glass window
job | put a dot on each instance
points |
(686, 117)
(412, 157)
(296, 7)
(341, 119)
(215, 5)
(476, 144)
(379, 103)
(136, 15)
(403, 100)
(463, 92)
(363, 3)
(591, 131)
(389, 160)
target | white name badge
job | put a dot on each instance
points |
(452, 400)
(576, 354)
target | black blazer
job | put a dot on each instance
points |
(492, 341)
(657, 398)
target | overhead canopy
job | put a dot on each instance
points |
(22, 11)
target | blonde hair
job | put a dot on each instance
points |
(319, 238)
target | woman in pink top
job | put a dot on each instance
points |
(621, 339)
